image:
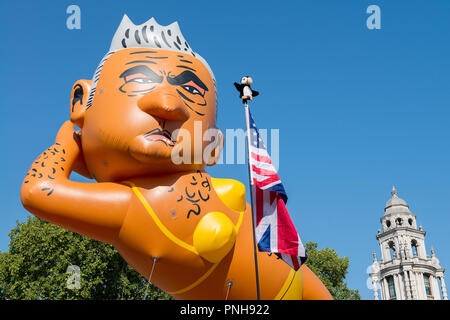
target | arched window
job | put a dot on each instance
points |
(399, 221)
(388, 223)
(414, 248)
(390, 281)
(426, 279)
(410, 221)
(391, 245)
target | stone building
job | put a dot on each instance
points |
(405, 271)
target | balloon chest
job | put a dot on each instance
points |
(187, 226)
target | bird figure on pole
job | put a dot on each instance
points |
(245, 91)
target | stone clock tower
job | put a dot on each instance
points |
(405, 271)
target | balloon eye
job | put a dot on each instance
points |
(137, 77)
(141, 80)
(192, 88)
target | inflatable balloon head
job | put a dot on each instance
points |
(148, 90)
(190, 234)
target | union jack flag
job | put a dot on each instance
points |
(274, 230)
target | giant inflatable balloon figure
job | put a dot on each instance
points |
(189, 233)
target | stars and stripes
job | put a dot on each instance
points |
(274, 230)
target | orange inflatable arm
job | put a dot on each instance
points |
(86, 208)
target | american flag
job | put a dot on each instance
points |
(274, 230)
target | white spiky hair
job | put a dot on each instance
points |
(149, 35)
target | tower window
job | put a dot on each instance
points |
(426, 278)
(414, 248)
(388, 223)
(399, 221)
(410, 221)
(392, 249)
(390, 281)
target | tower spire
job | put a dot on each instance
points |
(394, 191)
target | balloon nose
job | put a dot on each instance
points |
(164, 105)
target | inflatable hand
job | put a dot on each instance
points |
(71, 139)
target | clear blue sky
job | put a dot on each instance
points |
(358, 110)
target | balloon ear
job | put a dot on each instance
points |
(78, 99)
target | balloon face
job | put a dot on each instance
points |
(142, 97)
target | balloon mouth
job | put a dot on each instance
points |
(158, 135)
(151, 146)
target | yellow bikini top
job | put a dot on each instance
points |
(215, 233)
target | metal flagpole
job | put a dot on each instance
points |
(247, 122)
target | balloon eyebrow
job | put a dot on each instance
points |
(144, 70)
(185, 77)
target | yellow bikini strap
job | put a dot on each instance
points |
(158, 222)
